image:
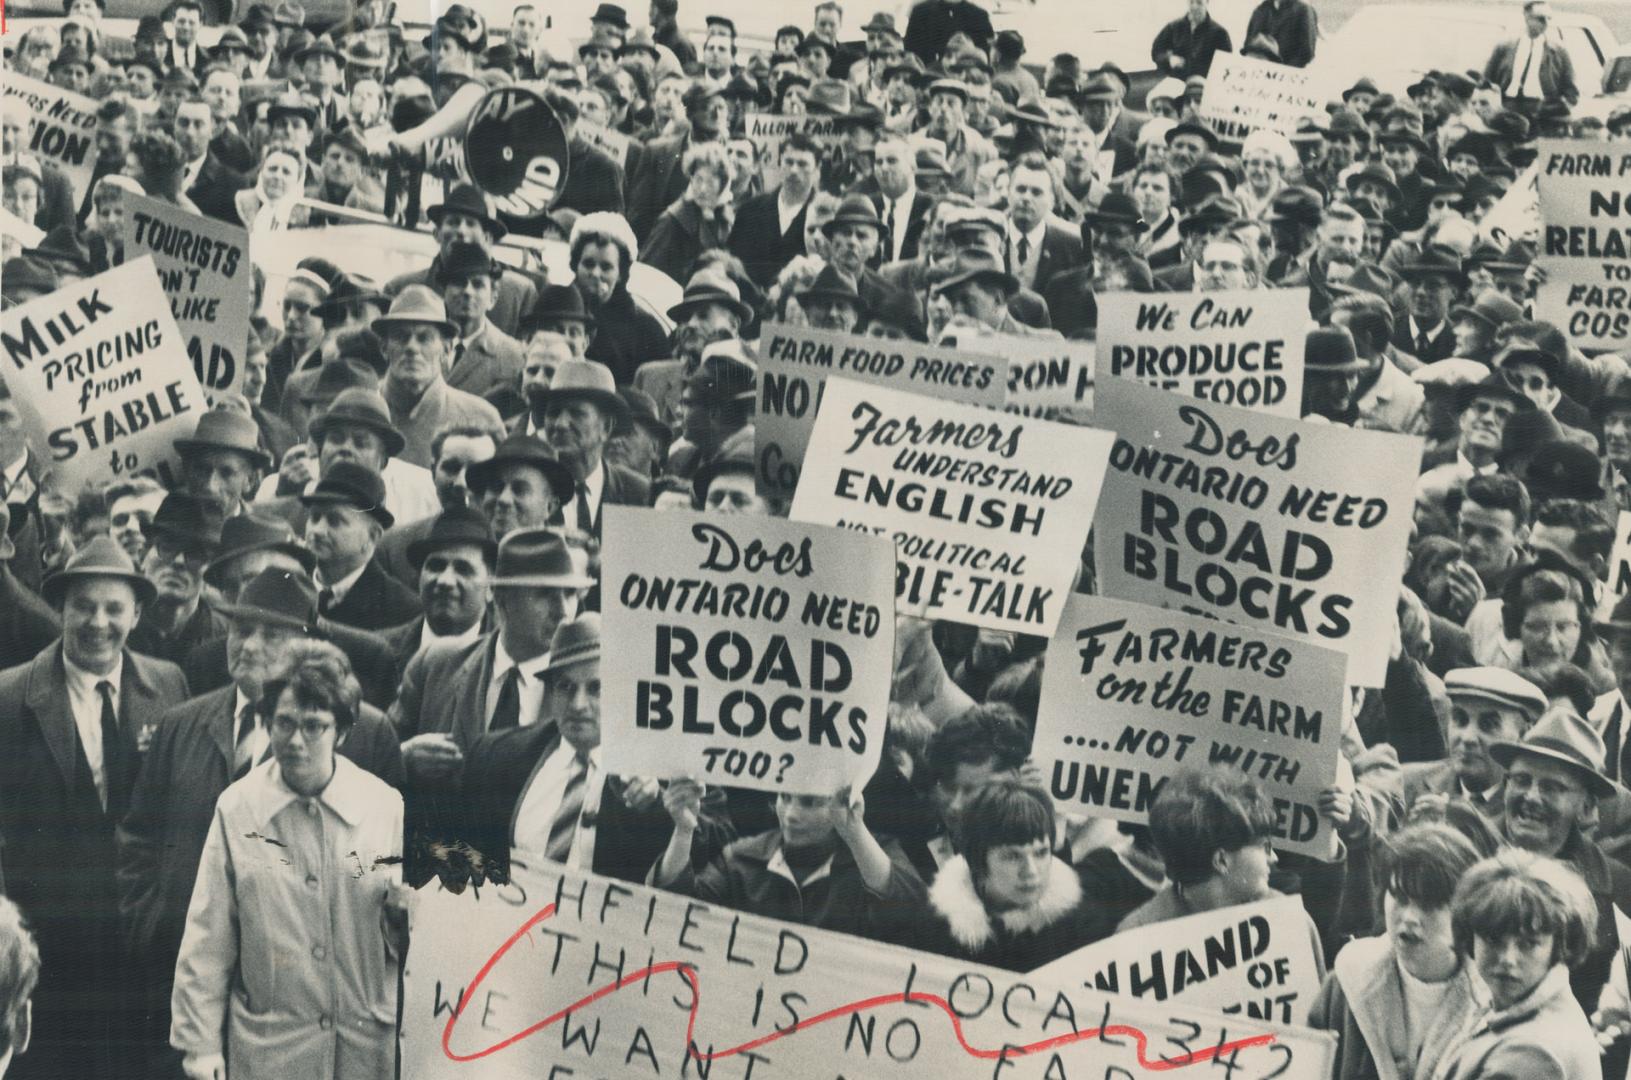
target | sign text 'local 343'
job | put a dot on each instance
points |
(752, 651)
(1132, 694)
(989, 511)
(1296, 527)
(102, 375)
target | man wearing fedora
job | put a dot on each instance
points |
(1434, 280)
(452, 694)
(453, 449)
(464, 215)
(200, 747)
(1555, 781)
(581, 410)
(484, 357)
(222, 461)
(541, 789)
(854, 242)
(248, 546)
(830, 302)
(1386, 398)
(181, 539)
(522, 486)
(718, 406)
(978, 293)
(1331, 376)
(346, 517)
(451, 563)
(418, 341)
(1214, 219)
(966, 149)
(710, 311)
(70, 720)
(343, 177)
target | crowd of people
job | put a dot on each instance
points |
(355, 647)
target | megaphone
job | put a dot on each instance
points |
(515, 151)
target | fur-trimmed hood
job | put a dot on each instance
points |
(953, 898)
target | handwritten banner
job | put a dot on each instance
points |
(1253, 960)
(1241, 347)
(103, 376)
(1585, 213)
(989, 512)
(768, 130)
(613, 142)
(61, 128)
(1133, 694)
(1288, 526)
(559, 974)
(751, 651)
(1244, 93)
(204, 267)
(795, 362)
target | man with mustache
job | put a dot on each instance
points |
(1487, 705)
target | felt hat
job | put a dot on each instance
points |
(736, 455)
(1331, 349)
(226, 429)
(347, 483)
(416, 304)
(364, 407)
(537, 558)
(101, 558)
(276, 596)
(1564, 469)
(576, 641)
(187, 521)
(834, 285)
(980, 265)
(1563, 736)
(556, 303)
(586, 380)
(242, 534)
(1492, 307)
(642, 412)
(612, 14)
(458, 525)
(1116, 208)
(294, 105)
(713, 286)
(526, 450)
(1298, 204)
(1434, 262)
(468, 199)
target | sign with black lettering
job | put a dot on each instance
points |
(1293, 527)
(515, 151)
(565, 975)
(751, 651)
(102, 377)
(1241, 347)
(61, 128)
(795, 361)
(989, 511)
(1585, 249)
(1132, 694)
(1259, 960)
(1245, 93)
(204, 266)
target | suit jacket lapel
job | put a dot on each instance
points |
(48, 699)
(222, 724)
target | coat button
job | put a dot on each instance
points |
(325, 1021)
(318, 952)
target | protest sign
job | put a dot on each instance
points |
(1244, 93)
(204, 267)
(1048, 377)
(1240, 347)
(1585, 212)
(102, 376)
(561, 974)
(769, 130)
(1619, 566)
(989, 511)
(750, 650)
(1289, 526)
(795, 361)
(610, 140)
(61, 128)
(515, 151)
(1254, 959)
(1133, 694)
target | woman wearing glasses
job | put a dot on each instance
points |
(288, 965)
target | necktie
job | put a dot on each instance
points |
(325, 600)
(458, 354)
(1423, 343)
(586, 520)
(565, 825)
(112, 751)
(243, 758)
(1024, 252)
(1527, 60)
(507, 713)
(896, 234)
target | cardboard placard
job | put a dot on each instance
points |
(1240, 347)
(768, 130)
(204, 267)
(560, 974)
(61, 128)
(1293, 527)
(1619, 567)
(1585, 249)
(1133, 694)
(102, 376)
(1253, 960)
(1244, 94)
(1048, 377)
(989, 511)
(751, 651)
(795, 361)
(613, 142)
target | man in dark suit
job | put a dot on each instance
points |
(346, 518)
(769, 229)
(464, 207)
(1186, 45)
(1039, 247)
(594, 182)
(181, 540)
(485, 358)
(933, 22)
(71, 721)
(1099, 102)
(209, 183)
(451, 564)
(30, 624)
(199, 748)
(1434, 281)
(546, 779)
(581, 410)
(661, 179)
(453, 694)
(453, 450)
(854, 234)
(184, 49)
(893, 189)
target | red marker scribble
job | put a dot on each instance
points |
(688, 973)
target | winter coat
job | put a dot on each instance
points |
(1023, 939)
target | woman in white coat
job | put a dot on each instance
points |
(288, 965)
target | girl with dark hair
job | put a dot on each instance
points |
(1005, 899)
(1396, 1001)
